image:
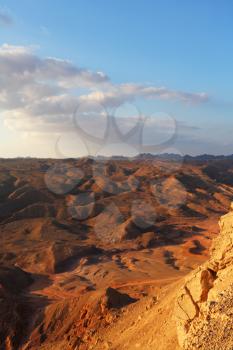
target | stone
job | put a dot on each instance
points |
(204, 305)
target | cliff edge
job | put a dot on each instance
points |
(204, 306)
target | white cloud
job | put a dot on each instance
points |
(39, 94)
(22, 64)
(116, 95)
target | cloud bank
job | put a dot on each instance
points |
(41, 94)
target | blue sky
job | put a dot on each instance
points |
(182, 46)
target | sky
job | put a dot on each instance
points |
(80, 77)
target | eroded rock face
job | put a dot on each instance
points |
(204, 307)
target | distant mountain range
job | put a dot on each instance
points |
(141, 156)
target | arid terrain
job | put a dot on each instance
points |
(92, 250)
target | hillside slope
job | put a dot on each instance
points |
(204, 309)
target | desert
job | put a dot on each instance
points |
(116, 175)
(88, 256)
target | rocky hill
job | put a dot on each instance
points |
(204, 309)
(93, 252)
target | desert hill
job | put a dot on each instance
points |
(92, 248)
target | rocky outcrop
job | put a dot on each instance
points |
(204, 307)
